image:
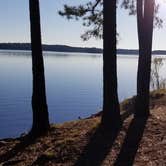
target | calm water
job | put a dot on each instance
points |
(74, 87)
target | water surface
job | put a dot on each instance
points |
(73, 81)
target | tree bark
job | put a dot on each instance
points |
(111, 110)
(39, 103)
(145, 15)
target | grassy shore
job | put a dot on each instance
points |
(83, 142)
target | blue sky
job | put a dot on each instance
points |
(14, 21)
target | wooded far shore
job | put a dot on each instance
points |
(65, 48)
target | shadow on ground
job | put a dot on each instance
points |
(18, 148)
(102, 141)
(98, 147)
(131, 142)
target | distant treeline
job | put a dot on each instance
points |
(57, 48)
(64, 48)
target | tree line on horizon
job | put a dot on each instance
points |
(66, 48)
(111, 118)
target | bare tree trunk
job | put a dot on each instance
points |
(145, 32)
(39, 103)
(111, 110)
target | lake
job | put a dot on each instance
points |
(73, 81)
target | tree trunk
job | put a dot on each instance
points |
(111, 110)
(145, 32)
(39, 103)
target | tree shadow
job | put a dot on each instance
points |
(127, 114)
(131, 142)
(19, 147)
(100, 144)
(98, 147)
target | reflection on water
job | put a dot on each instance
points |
(74, 87)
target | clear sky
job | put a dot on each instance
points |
(14, 25)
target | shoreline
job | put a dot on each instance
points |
(80, 140)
